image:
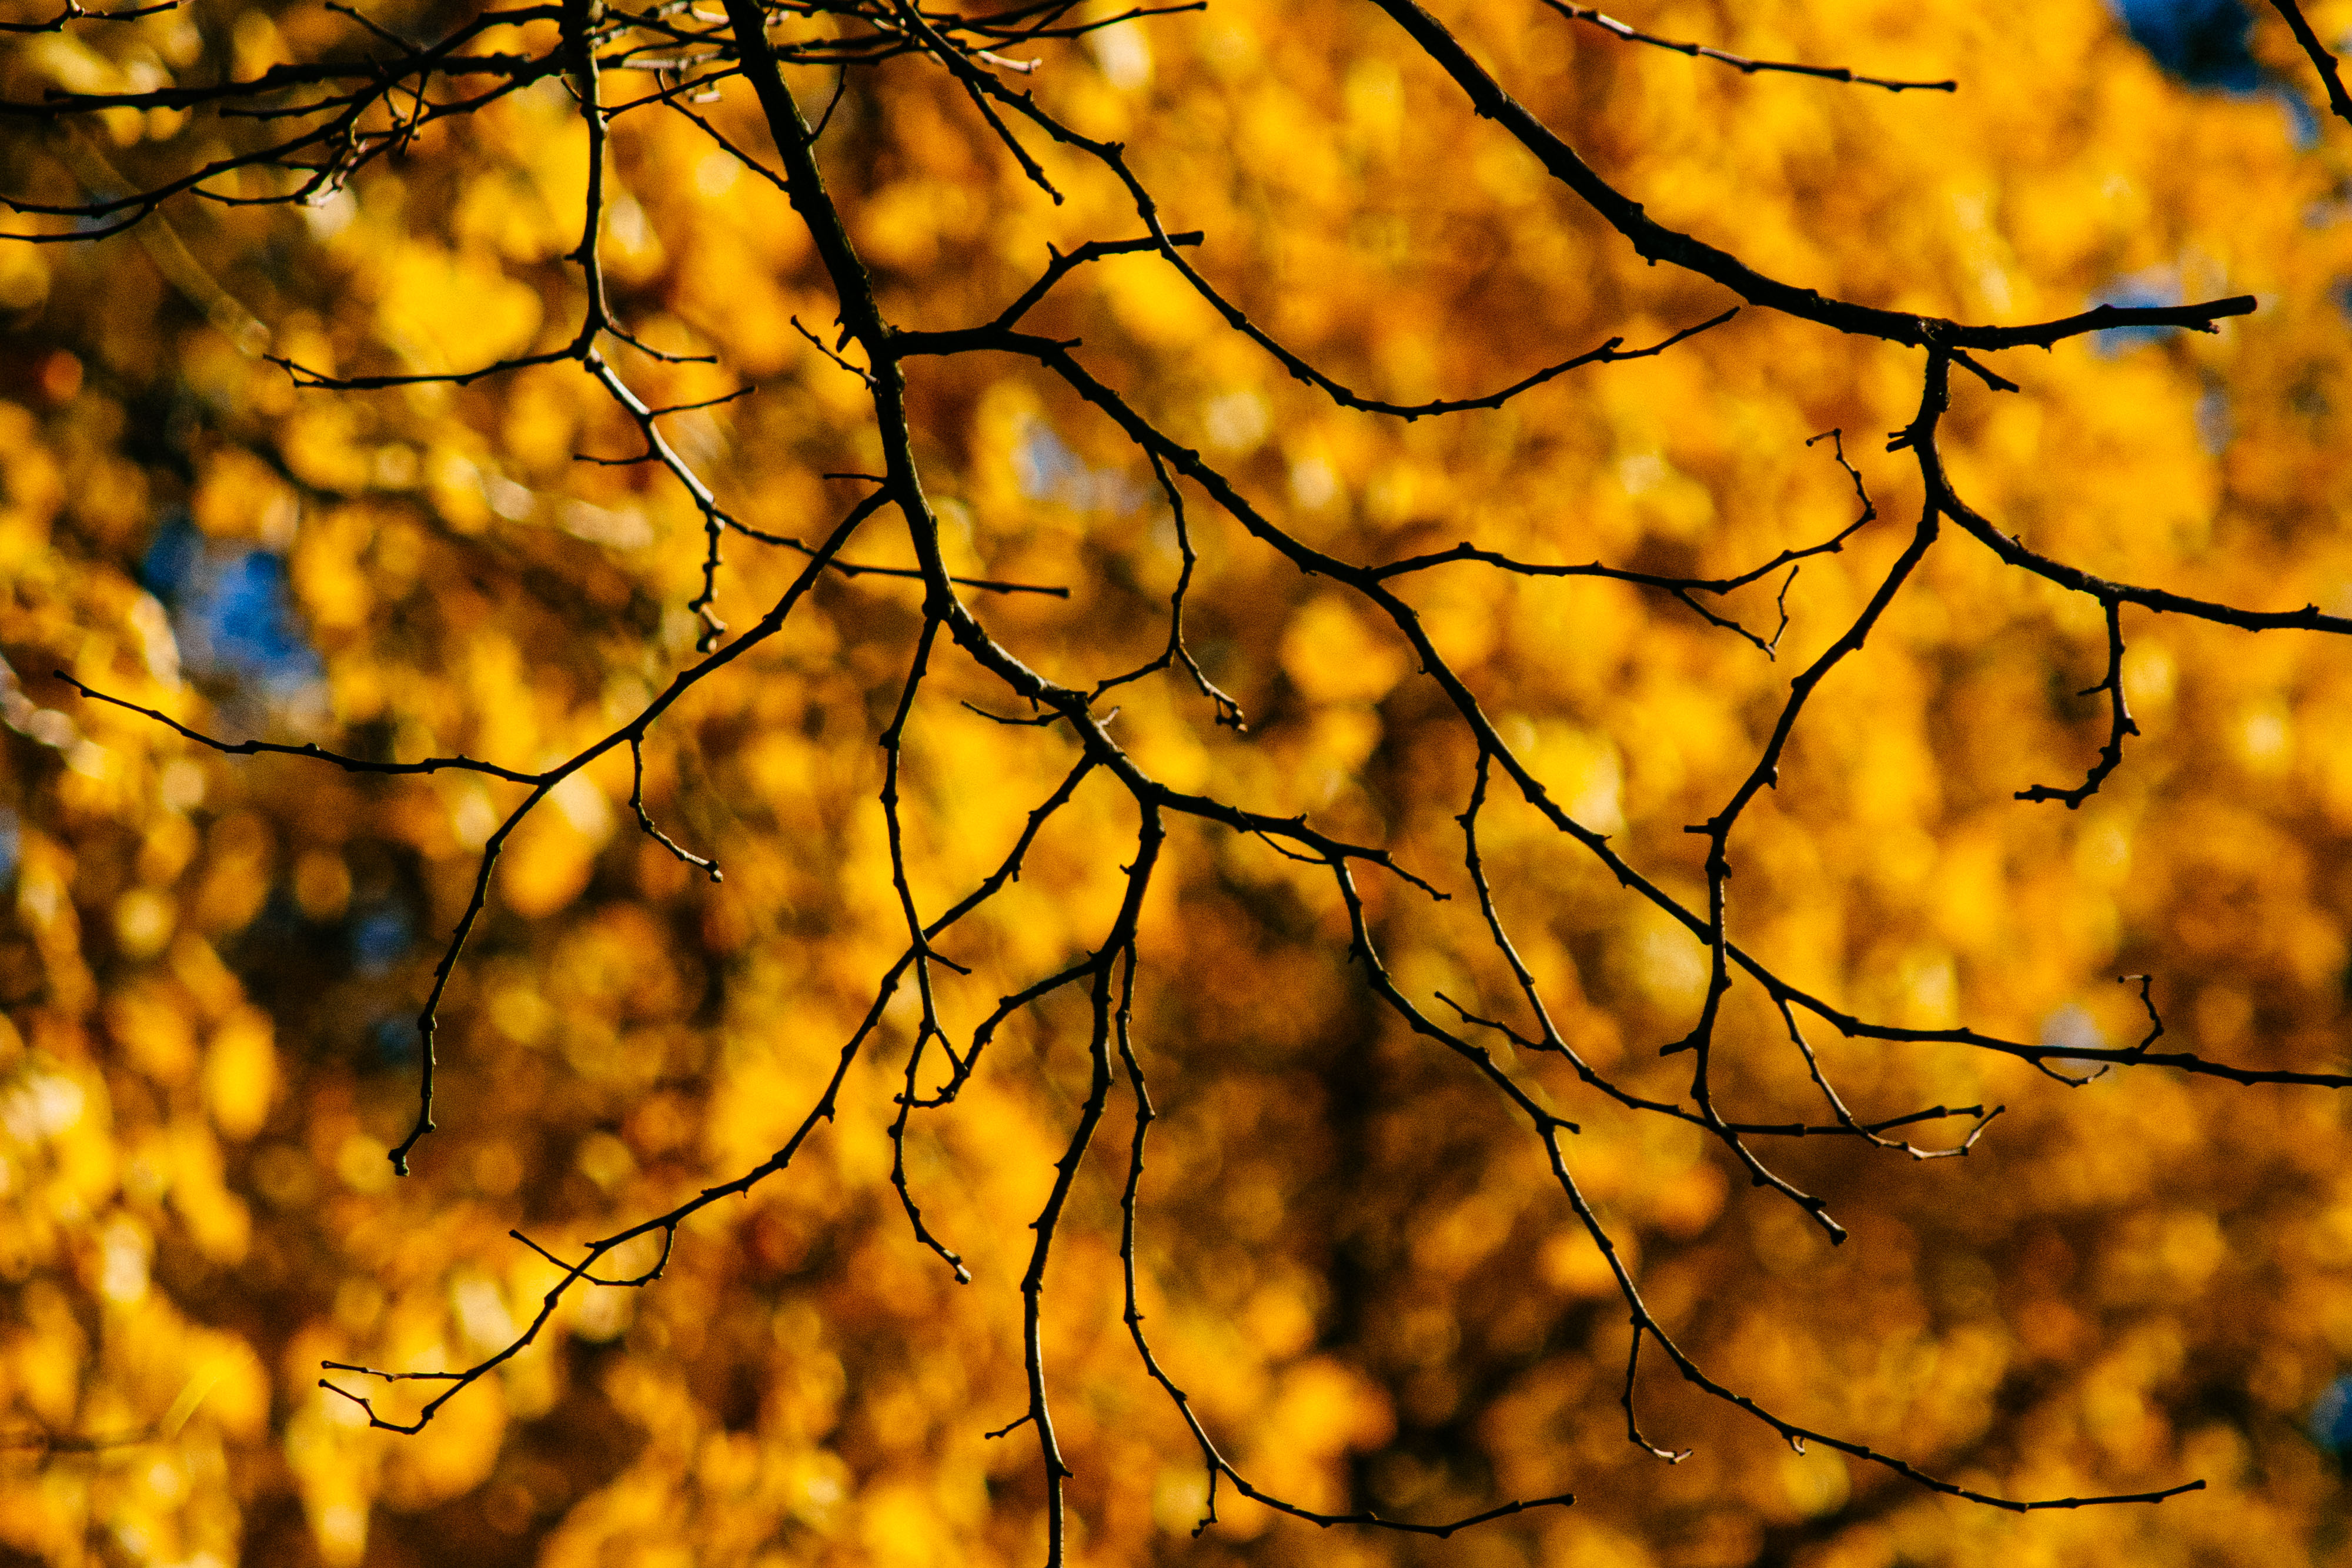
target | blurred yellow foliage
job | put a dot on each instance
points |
(1353, 1259)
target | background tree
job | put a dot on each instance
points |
(555, 458)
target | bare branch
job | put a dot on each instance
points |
(2339, 102)
(1654, 242)
(2119, 722)
(1740, 63)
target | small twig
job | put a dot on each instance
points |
(2120, 722)
(1740, 63)
(864, 376)
(2339, 102)
(74, 12)
(311, 749)
(637, 804)
(1229, 712)
(2155, 1020)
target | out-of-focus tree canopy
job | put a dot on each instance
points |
(1351, 1251)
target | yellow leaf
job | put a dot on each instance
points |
(240, 1073)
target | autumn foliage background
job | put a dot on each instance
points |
(1353, 1259)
